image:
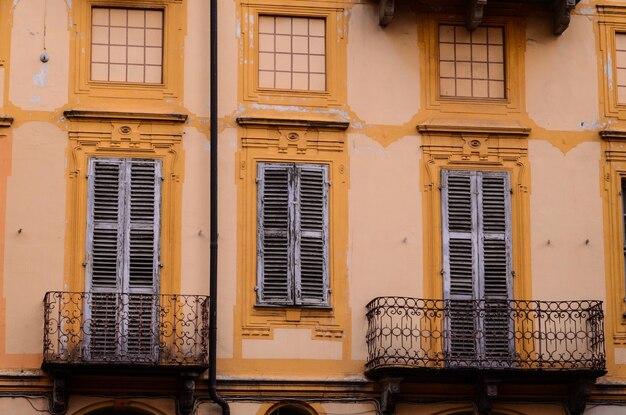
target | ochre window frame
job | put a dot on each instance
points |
(613, 172)
(476, 147)
(172, 67)
(334, 94)
(612, 20)
(124, 135)
(514, 41)
(292, 141)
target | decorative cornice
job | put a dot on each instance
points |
(5, 121)
(611, 9)
(79, 115)
(613, 135)
(282, 122)
(476, 127)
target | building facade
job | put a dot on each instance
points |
(420, 207)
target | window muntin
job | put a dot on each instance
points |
(292, 53)
(477, 244)
(127, 45)
(292, 234)
(620, 66)
(471, 64)
(122, 267)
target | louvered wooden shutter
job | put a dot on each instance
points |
(274, 257)
(142, 257)
(460, 262)
(292, 236)
(477, 263)
(122, 258)
(104, 256)
(495, 262)
(311, 234)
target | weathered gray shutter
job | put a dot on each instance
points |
(495, 262)
(460, 265)
(142, 256)
(274, 231)
(122, 258)
(311, 234)
(104, 256)
(477, 264)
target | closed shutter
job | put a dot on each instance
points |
(292, 236)
(477, 263)
(460, 264)
(123, 228)
(275, 201)
(143, 224)
(312, 230)
(494, 215)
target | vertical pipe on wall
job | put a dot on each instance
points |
(213, 189)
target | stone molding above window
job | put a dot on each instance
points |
(475, 145)
(89, 61)
(473, 72)
(263, 141)
(95, 134)
(279, 68)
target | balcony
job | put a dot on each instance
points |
(496, 342)
(132, 335)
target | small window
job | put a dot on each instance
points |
(471, 64)
(620, 66)
(127, 45)
(292, 234)
(624, 228)
(292, 53)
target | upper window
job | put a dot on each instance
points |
(292, 234)
(127, 45)
(292, 53)
(471, 64)
(620, 66)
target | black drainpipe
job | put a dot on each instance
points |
(213, 259)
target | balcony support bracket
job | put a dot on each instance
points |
(186, 400)
(578, 393)
(486, 394)
(59, 399)
(386, 9)
(390, 387)
(475, 10)
(562, 11)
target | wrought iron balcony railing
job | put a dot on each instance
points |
(501, 335)
(125, 329)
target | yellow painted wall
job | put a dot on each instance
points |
(380, 78)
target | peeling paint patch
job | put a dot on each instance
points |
(41, 79)
(592, 125)
(36, 99)
(295, 108)
(15, 2)
(586, 11)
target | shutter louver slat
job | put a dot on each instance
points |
(497, 331)
(461, 269)
(459, 203)
(495, 269)
(274, 206)
(313, 207)
(141, 330)
(462, 331)
(493, 200)
(104, 340)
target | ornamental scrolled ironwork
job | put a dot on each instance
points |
(485, 334)
(125, 329)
